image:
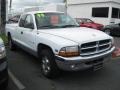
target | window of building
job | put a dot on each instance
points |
(100, 12)
(115, 13)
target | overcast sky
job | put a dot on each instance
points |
(22, 3)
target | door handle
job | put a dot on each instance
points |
(21, 32)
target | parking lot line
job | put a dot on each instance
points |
(16, 81)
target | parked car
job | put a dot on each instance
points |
(113, 29)
(3, 67)
(59, 43)
(85, 22)
(14, 19)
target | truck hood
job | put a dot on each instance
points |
(78, 35)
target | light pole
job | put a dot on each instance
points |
(10, 7)
(66, 5)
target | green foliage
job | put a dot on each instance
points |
(4, 38)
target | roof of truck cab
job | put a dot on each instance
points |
(34, 12)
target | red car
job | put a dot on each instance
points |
(85, 22)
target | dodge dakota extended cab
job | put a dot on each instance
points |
(59, 43)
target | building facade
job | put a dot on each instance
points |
(101, 11)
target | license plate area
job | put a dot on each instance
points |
(97, 66)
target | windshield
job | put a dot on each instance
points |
(54, 20)
(87, 21)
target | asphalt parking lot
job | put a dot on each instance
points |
(24, 71)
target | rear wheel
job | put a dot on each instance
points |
(48, 64)
(11, 45)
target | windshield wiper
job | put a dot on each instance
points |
(50, 26)
(47, 27)
(69, 26)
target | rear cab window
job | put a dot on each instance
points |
(22, 20)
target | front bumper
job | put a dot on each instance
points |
(79, 63)
(3, 71)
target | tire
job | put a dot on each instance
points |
(48, 65)
(107, 31)
(11, 45)
(4, 85)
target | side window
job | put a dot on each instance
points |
(29, 22)
(22, 21)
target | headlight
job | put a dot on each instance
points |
(69, 51)
(2, 51)
(112, 42)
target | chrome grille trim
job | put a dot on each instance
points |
(95, 47)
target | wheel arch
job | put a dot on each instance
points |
(41, 47)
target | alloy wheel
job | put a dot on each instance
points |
(45, 65)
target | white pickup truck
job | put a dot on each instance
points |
(59, 43)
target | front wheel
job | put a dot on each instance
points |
(48, 64)
(11, 44)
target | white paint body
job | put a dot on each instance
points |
(58, 38)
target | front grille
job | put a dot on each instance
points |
(95, 47)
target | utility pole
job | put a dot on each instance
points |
(66, 5)
(3, 15)
(0, 14)
(10, 7)
(10, 3)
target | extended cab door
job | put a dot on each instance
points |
(29, 33)
(18, 33)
